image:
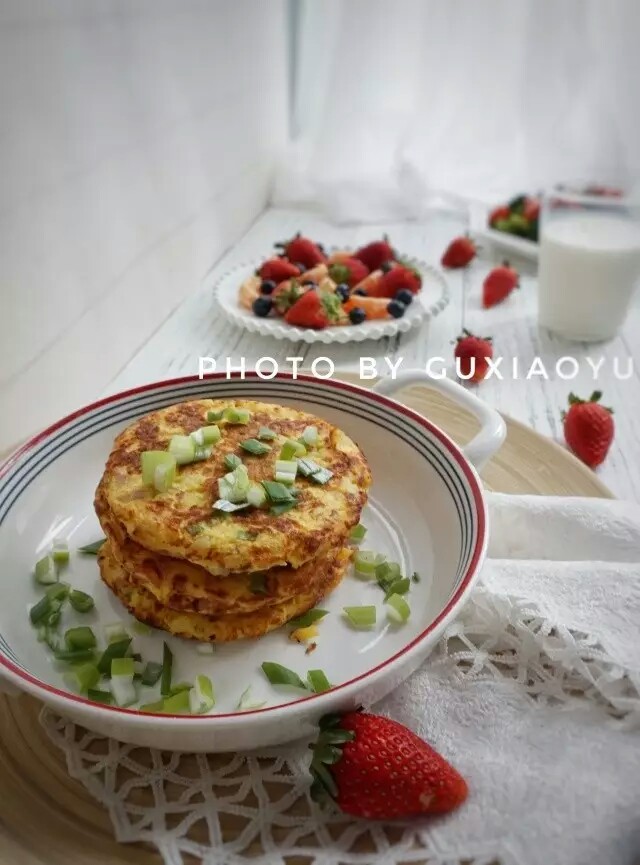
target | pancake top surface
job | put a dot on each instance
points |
(182, 523)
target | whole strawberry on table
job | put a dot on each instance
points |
(310, 288)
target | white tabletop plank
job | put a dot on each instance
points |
(196, 329)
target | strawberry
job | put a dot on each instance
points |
(286, 294)
(470, 347)
(349, 270)
(588, 429)
(498, 284)
(301, 249)
(501, 212)
(531, 209)
(375, 254)
(459, 253)
(314, 310)
(375, 768)
(397, 278)
(277, 269)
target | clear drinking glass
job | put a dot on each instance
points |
(589, 262)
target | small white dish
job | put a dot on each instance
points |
(426, 511)
(431, 300)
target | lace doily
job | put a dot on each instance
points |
(502, 661)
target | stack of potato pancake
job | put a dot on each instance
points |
(245, 530)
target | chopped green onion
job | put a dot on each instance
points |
(357, 533)
(116, 649)
(228, 507)
(58, 592)
(53, 619)
(215, 416)
(40, 611)
(158, 469)
(45, 571)
(398, 610)
(176, 704)
(151, 673)
(245, 703)
(257, 583)
(318, 681)
(99, 696)
(202, 453)
(291, 449)
(142, 628)
(255, 447)
(279, 675)
(237, 415)
(80, 638)
(387, 571)
(399, 587)
(282, 508)
(81, 601)
(277, 492)
(322, 476)
(155, 707)
(72, 656)
(234, 486)
(310, 436)
(286, 471)
(256, 495)
(308, 618)
(181, 686)
(183, 449)
(167, 664)
(361, 618)
(201, 696)
(122, 667)
(122, 686)
(83, 676)
(207, 435)
(92, 549)
(115, 632)
(266, 435)
(232, 461)
(205, 649)
(310, 469)
(60, 551)
(366, 562)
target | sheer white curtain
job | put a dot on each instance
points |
(398, 100)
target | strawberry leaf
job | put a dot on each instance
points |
(596, 396)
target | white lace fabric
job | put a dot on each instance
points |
(533, 694)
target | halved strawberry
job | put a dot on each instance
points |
(349, 270)
(397, 278)
(303, 250)
(314, 310)
(375, 254)
(286, 294)
(277, 269)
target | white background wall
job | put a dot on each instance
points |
(137, 141)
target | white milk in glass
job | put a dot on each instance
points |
(589, 266)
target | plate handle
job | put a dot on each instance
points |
(493, 429)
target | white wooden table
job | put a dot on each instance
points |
(196, 329)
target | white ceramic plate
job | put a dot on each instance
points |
(509, 243)
(426, 512)
(431, 300)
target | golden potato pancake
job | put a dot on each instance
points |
(180, 585)
(181, 522)
(221, 629)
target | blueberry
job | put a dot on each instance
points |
(267, 286)
(396, 309)
(404, 296)
(301, 267)
(386, 266)
(357, 315)
(262, 306)
(361, 292)
(343, 291)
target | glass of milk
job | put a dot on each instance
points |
(589, 264)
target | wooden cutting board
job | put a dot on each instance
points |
(46, 818)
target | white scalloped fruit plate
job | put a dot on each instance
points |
(433, 298)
